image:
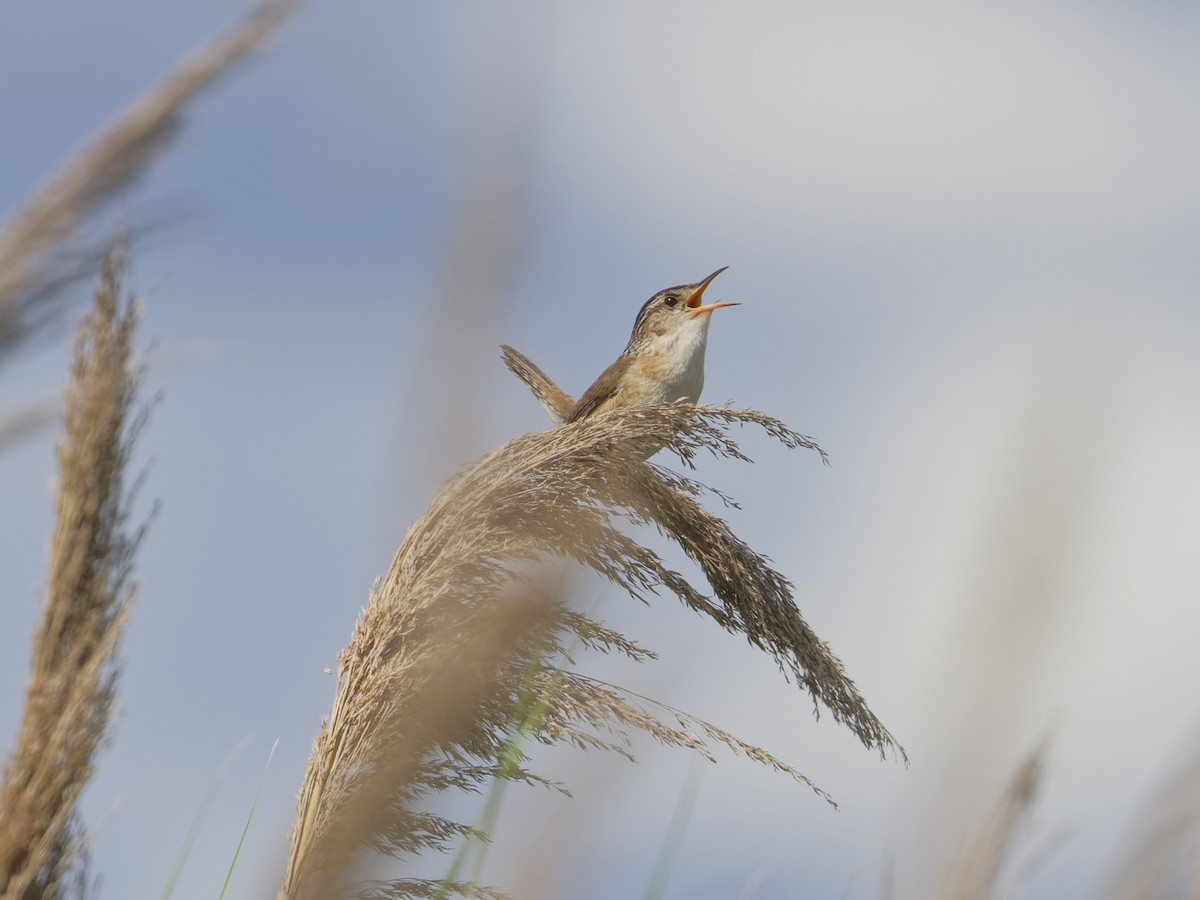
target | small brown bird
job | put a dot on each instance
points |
(663, 361)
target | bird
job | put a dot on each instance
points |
(662, 363)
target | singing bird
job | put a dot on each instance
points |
(663, 361)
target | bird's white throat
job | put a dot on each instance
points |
(682, 360)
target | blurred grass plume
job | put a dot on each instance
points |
(72, 688)
(36, 256)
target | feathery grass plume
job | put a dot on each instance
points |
(549, 495)
(72, 687)
(976, 871)
(32, 264)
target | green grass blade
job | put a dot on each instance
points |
(521, 730)
(246, 828)
(528, 716)
(198, 819)
(673, 840)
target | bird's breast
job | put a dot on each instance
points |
(674, 367)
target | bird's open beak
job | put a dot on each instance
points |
(693, 302)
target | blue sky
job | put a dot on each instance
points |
(964, 238)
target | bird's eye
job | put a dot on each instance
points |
(670, 300)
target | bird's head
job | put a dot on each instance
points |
(673, 310)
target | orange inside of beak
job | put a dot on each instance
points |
(693, 303)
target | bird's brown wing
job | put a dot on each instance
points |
(557, 403)
(600, 392)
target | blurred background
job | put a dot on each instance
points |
(965, 239)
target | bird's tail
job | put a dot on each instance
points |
(557, 403)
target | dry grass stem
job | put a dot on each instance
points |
(72, 687)
(975, 873)
(32, 264)
(468, 564)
